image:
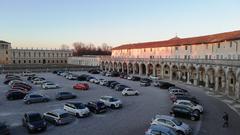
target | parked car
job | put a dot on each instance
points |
(65, 95)
(82, 77)
(136, 78)
(89, 78)
(108, 74)
(58, 117)
(4, 129)
(130, 92)
(175, 97)
(145, 82)
(72, 77)
(111, 101)
(14, 95)
(11, 79)
(22, 85)
(94, 80)
(96, 106)
(120, 87)
(185, 112)
(109, 83)
(81, 86)
(160, 130)
(114, 84)
(103, 73)
(178, 91)
(165, 85)
(12, 82)
(115, 74)
(35, 98)
(27, 73)
(171, 122)
(103, 82)
(34, 122)
(77, 109)
(49, 85)
(190, 104)
(39, 81)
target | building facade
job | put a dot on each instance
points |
(32, 56)
(211, 61)
(87, 60)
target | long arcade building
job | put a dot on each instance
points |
(212, 61)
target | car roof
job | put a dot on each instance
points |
(182, 100)
(107, 96)
(164, 117)
(160, 128)
(58, 111)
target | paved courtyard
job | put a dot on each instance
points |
(133, 119)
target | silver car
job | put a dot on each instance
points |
(171, 122)
(35, 98)
(58, 117)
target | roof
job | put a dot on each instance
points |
(220, 37)
(1, 41)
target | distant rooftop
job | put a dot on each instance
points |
(1, 41)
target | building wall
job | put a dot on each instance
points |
(221, 50)
(85, 60)
(5, 52)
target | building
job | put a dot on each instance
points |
(86, 60)
(32, 56)
(211, 61)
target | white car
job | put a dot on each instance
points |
(189, 104)
(129, 92)
(27, 73)
(15, 81)
(103, 82)
(108, 74)
(130, 77)
(94, 80)
(111, 101)
(71, 77)
(76, 108)
(49, 85)
(171, 122)
(39, 81)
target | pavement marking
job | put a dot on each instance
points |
(16, 124)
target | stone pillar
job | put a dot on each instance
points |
(237, 89)
(188, 77)
(227, 87)
(216, 84)
(140, 70)
(147, 70)
(195, 82)
(154, 70)
(162, 73)
(170, 73)
(134, 68)
(206, 83)
(179, 75)
(127, 69)
(122, 68)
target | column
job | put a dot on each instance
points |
(154, 70)
(188, 77)
(206, 83)
(127, 69)
(147, 70)
(216, 84)
(162, 73)
(227, 87)
(140, 70)
(196, 79)
(170, 73)
(237, 90)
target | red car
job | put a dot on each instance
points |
(81, 86)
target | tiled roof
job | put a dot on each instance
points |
(1, 41)
(227, 36)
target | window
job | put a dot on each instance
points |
(29, 61)
(29, 54)
(206, 57)
(24, 61)
(166, 72)
(230, 44)
(210, 56)
(185, 56)
(231, 81)
(144, 50)
(34, 61)
(39, 54)
(39, 61)
(6, 52)
(217, 56)
(206, 46)
(13, 61)
(19, 61)
(176, 48)
(229, 56)
(150, 49)
(186, 47)
(219, 45)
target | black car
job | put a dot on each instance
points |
(114, 84)
(186, 97)
(4, 129)
(34, 122)
(65, 95)
(109, 83)
(115, 74)
(82, 77)
(136, 78)
(120, 87)
(165, 85)
(14, 95)
(185, 112)
(89, 78)
(96, 106)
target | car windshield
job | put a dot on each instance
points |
(65, 93)
(79, 105)
(64, 115)
(35, 117)
(178, 123)
(113, 99)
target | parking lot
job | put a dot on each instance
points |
(132, 119)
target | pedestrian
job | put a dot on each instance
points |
(225, 118)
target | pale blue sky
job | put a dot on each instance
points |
(50, 23)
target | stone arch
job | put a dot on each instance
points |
(125, 67)
(175, 74)
(158, 70)
(120, 67)
(143, 69)
(221, 79)
(231, 77)
(130, 68)
(211, 78)
(136, 68)
(193, 74)
(115, 66)
(202, 75)
(150, 69)
(183, 73)
(166, 71)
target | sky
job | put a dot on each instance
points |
(51, 23)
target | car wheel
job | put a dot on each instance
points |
(125, 94)
(28, 102)
(29, 130)
(136, 94)
(193, 118)
(180, 133)
(112, 106)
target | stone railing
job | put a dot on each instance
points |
(220, 62)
